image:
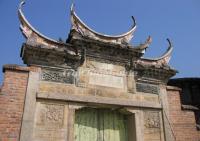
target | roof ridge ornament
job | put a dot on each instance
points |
(79, 26)
(145, 45)
(134, 21)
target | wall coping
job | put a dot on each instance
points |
(189, 107)
(14, 67)
(173, 88)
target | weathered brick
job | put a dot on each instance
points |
(12, 102)
(183, 122)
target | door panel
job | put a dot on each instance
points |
(100, 125)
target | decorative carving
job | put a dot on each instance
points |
(151, 119)
(51, 114)
(64, 76)
(107, 53)
(54, 113)
(147, 88)
(49, 122)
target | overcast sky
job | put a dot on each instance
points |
(178, 20)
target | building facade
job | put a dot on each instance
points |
(92, 87)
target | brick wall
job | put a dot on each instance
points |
(12, 96)
(182, 121)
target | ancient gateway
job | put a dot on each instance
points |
(93, 87)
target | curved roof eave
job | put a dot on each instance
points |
(165, 55)
(77, 21)
(28, 29)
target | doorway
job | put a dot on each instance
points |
(93, 124)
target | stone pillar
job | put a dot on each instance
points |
(29, 110)
(131, 84)
(83, 77)
(165, 114)
(71, 120)
(138, 117)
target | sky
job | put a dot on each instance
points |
(178, 20)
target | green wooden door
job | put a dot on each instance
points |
(100, 125)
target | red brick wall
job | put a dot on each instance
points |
(12, 98)
(182, 121)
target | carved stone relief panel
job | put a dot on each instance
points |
(63, 76)
(147, 88)
(50, 122)
(152, 120)
(152, 126)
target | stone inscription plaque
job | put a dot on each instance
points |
(105, 68)
(106, 80)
